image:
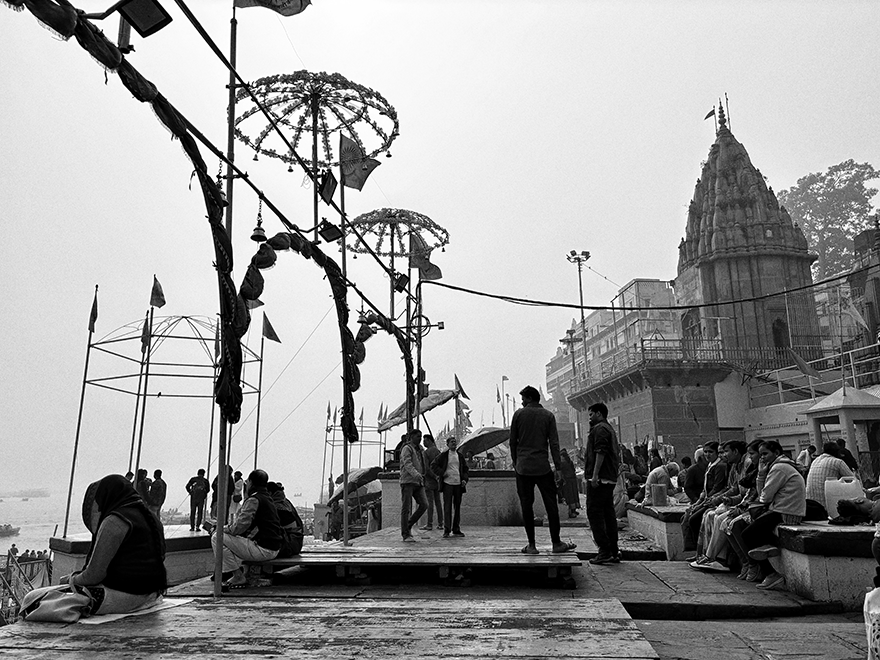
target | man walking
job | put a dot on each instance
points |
(601, 470)
(197, 487)
(158, 490)
(532, 434)
(412, 484)
(432, 483)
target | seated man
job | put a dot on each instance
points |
(292, 528)
(663, 476)
(827, 465)
(255, 535)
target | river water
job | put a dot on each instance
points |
(38, 518)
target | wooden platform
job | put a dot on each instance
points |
(482, 547)
(321, 628)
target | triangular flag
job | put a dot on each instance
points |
(268, 331)
(93, 316)
(335, 410)
(354, 164)
(460, 389)
(283, 7)
(362, 416)
(854, 314)
(157, 296)
(711, 114)
(420, 257)
(503, 378)
(805, 368)
(328, 187)
(145, 337)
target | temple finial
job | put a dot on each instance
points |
(722, 120)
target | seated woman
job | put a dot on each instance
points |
(783, 500)
(125, 569)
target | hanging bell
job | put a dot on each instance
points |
(259, 235)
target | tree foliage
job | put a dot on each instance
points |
(831, 208)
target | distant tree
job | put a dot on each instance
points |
(831, 208)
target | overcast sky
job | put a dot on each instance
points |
(527, 129)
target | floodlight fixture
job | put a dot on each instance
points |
(146, 16)
(329, 232)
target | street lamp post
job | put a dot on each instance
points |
(570, 341)
(580, 259)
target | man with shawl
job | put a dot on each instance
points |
(125, 569)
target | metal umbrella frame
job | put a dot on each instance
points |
(305, 103)
(390, 229)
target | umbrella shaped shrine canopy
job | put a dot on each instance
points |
(366, 493)
(398, 416)
(360, 476)
(483, 439)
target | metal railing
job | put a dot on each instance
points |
(16, 580)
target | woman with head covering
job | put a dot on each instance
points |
(125, 568)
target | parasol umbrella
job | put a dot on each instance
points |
(366, 493)
(435, 398)
(360, 476)
(483, 439)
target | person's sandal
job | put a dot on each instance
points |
(563, 546)
(529, 550)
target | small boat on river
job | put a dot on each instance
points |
(9, 530)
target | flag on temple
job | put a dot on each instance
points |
(93, 316)
(328, 187)
(460, 389)
(283, 7)
(711, 114)
(802, 364)
(420, 257)
(157, 296)
(354, 164)
(854, 314)
(269, 332)
(497, 394)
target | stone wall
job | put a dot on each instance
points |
(490, 500)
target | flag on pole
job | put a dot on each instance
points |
(503, 378)
(355, 166)
(379, 415)
(802, 364)
(157, 296)
(335, 410)
(145, 337)
(270, 334)
(93, 316)
(328, 411)
(711, 114)
(460, 389)
(497, 394)
(420, 257)
(283, 7)
(362, 416)
(854, 314)
(328, 187)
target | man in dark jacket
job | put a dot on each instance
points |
(451, 469)
(255, 535)
(432, 483)
(532, 435)
(602, 463)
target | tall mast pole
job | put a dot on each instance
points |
(259, 398)
(222, 481)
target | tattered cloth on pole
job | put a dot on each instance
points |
(802, 364)
(420, 257)
(460, 389)
(283, 7)
(354, 164)
(398, 415)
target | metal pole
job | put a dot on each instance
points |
(82, 398)
(342, 214)
(259, 399)
(322, 499)
(314, 102)
(221, 440)
(583, 320)
(137, 463)
(137, 403)
(503, 407)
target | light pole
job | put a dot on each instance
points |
(570, 341)
(580, 259)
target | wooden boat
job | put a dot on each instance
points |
(9, 530)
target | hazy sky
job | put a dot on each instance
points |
(527, 129)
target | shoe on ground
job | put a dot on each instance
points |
(426, 528)
(445, 535)
(694, 558)
(564, 546)
(601, 560)
(616, 558)
(744, 573)
(459, 533)
(762, 553)
(714, 567)
(529, 550)
(772, 581)
(409, 539)
(754, 574)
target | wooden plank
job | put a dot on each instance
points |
(322, 628)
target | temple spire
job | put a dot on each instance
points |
(722, 120)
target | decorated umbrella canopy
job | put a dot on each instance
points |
(398, 416)
(366, 493)
(360, 476)
(390, 229)
(483, 439)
